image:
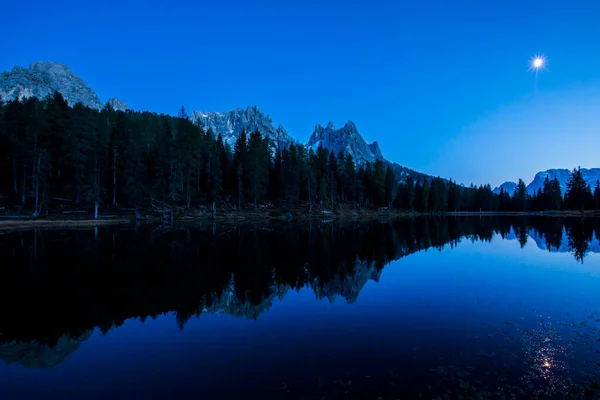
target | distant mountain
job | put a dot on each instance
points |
(346, 139)
(117, 104)
(541, 243)
(350, 141)
(348, 286)
(43, 78)
(231, 123)
(508, 186)
(590, 175)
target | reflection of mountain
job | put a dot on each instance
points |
(560, 246)
(70, 282)
(347, 286)
(40, 355)
(230, 303)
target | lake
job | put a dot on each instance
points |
(424, 308)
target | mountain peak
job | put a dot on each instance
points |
(53, 66)
(116, 104)
(563, 175)
(42, 79)
(376, 150)
(231, 123)
(346, 140)
(508, 187)
(350, 126)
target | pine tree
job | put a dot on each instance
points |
(311, 176)
(555, 197)
(5, 145)
(379, 184)
(410, 194)
(520, 196)
(391, 186)
(79, 136)
(576, 196)
(424, 205)
(454, 197)
(332, 178)
(340, 177)
(291, 172)
(349, 178)
(213, 172)
(597, 195)
(368, 184)
(240, 156)
(546, 195)
(320, 170)
(258, 166)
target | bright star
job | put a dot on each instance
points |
(538, 62)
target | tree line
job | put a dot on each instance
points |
(579, 196)
(106, 158)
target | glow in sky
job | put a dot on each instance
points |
(538, 62)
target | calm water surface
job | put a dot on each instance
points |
(425, 308)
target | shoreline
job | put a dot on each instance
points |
(262, 216)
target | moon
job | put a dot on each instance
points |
(537, 62)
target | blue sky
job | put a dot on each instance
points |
(443, 86)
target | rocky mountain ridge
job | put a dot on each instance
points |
(508, 186)
(347, 139)
(591, 176)
(231, 123)
(42, 79)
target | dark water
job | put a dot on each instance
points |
(415, 309)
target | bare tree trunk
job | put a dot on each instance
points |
(14, 163)
(309, 195)
(36, 211)
(239, 193)
(24, 183)
(33, 160)
(96, 191)
(114, 200)
(198, 178)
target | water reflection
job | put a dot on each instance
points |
(107, 275)
(57, 287)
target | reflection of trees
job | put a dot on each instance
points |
(68, 282)
(580, 235)
(522, 231)
(39, 355)
(553, 233)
